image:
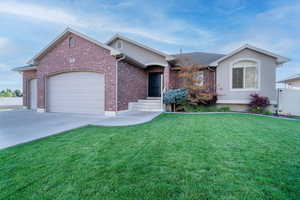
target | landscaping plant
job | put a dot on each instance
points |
(198, 94)
(258, 103)
(175, 97)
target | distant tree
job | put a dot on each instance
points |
(7, 93)
(18, 93)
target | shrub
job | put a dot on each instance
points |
(224, 109)
(267, 112)
(175, 97)
(258, 103)
(202, 108)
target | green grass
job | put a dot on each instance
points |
(176, 156)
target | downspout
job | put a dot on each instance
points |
(117, 68)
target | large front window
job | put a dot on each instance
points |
(245, 75)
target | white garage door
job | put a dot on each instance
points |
(33, 93)
(76, 92)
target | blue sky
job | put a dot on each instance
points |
(193, 25)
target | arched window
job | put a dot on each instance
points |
(245, 75)
(71, 42)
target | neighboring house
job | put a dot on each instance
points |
(292, 82)
(77, 74)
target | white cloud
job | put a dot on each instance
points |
(159, 26)
(37, 12)
(6, 46)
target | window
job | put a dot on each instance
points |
(200, 78)
(245, 75)
(119, 44)
(71, 42)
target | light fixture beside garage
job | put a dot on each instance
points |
(72, 60)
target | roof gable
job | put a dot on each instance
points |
(63, 35)
(118, 36)
(279, 59)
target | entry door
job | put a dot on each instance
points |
(154, 84)
(33, 94)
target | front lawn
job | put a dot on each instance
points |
(176, 156)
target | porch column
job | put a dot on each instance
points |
(167, 77)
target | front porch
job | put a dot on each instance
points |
(155, 81)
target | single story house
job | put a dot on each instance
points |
(292, 82)
(77, 74)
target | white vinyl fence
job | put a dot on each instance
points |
(11, 102)
(289, 101)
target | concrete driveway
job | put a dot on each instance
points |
(20, 126)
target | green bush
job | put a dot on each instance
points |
(191, 108)
(224, 109)
(175, 97)
(267, 112)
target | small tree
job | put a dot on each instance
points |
(258, 103)
(18, 93)
(175, 97)
(197, 90)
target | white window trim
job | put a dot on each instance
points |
(258, 75)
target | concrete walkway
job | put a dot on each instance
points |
(20, 126)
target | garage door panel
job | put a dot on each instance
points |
(76, 92)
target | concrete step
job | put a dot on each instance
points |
(153, 98)
(148, 110)
(146, 105)
(148, 101)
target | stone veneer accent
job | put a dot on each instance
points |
(85, 56)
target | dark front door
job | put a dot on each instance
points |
(154, 84)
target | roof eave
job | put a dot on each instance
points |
(21, 69)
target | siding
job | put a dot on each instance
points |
(140, 54)
(267, 77)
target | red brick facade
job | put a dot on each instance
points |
(132, 84)
(27, 76)
(209, 80)
(85, 56)
(129, 82)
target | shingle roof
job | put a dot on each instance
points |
(197, 58)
